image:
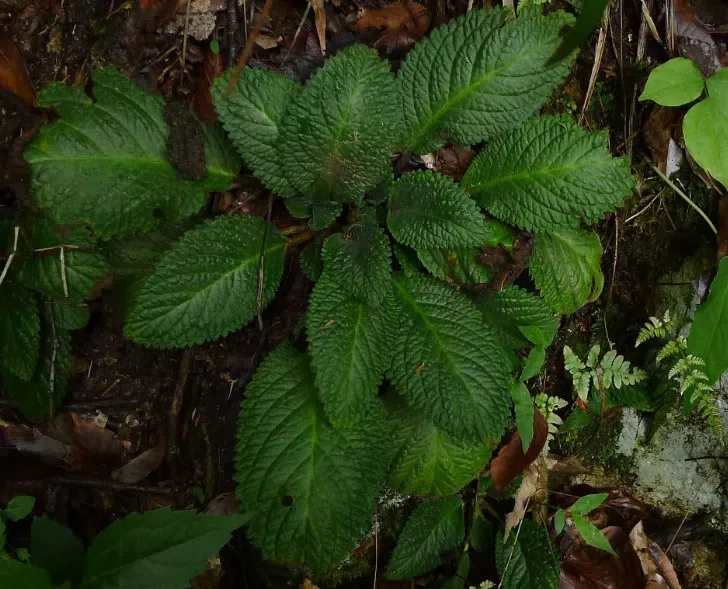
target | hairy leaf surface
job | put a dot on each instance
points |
(105, 162)
(159, 549)
(478, 76)
(336, 137)
(206, 286)
(565, 267)
(447, 362)
(252, 117)
(428, 210)
(14, 573)
(56, 549)
(436, 525)
(19, 330)
(360, 260)
(309, 488)
(531, 565)
(350, 343)
(547, 174)
(427, 461)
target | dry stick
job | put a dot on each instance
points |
(232, 18)
(598, 56)
(64, 281)
(513, 548)
(52, 375)
(184, 36)
(685, 197)
(376, 549)
(235, 78)
(174, 410)
(261, 266)
(298, 30)
(109, 485)
(11, 256)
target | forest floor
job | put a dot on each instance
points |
(177, 411)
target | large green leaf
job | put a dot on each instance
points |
(19, 330)
(105, 162)
(478, 76)
(160, 549)
(15, 574)
(436, 525)
(360, 260)
(530, 559)
(513, 308)
(709, 334)
(674, 83)
(207, 285)
(447, 362)
(82, 268)
(547, 174)
(427, 461)
(309, 488)
(350, 344)
(252, 116)
(565, 267)
(56, 549)
(337, 136)
(428, 210)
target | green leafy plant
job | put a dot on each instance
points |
(159, 549)
(587, 530)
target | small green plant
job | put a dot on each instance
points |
(587, 530)
(548, 406)
(159, 549)
(19, 508)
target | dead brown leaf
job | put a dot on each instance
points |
(528, 489)
(142, 466)
(658, 129)
(404, 23)
(511, 461)
(94, 448)
(698, 41)
(14, 75)
(202, 100)
(319, 13)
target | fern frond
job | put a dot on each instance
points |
(618, 371)
(684, 366)
(655, 328)
(672, 348)
(572, 363)
(706, 407)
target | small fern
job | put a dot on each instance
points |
(673, 348)
(609, 371)
(656, 328)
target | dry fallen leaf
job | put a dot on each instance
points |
(142, 466)
(14, 76)
(202, 100)
(319, 12)
(525, 492)
(404, 23)
(94, 448)
(511, 461)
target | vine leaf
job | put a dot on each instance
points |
(309, 488)
(435, 526)
(547, 174)
(565, 267)
(479, 76)
(56, 549)
(525, 561)
(207, 285)
(674, 83)
(105, 162)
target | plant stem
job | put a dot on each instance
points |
(685, 197)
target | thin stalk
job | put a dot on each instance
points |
(685, 197)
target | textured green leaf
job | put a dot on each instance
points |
(447, 362)
(252, 117)
(588, 503)
(17, 574)
(478, 76)
(19, 508)
(71, 316)
(547, 174)
(428, 210)
(534, 362)
(309, 488)
(436, 525)
(709, 334)
(105, 162)
(2, 536)
(360, 260)
(531, 565)
(533, 334)
(482, 533)
(84, 268)
(565, 267)
(427, 461)
(206, 286)
(674, 83)
(350, 344)
(39, 397)
(408, 260)
(19, 330)
(705, 128)
(56, 549)
(337, 136)
(513, 308)
(311, 261)
(159, 549)
(560, 518)
(591, 534)
(523, 404)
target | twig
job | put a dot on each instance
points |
(616, 257)
(109, 485)
(184, 36)
(376, 549)
(298, 30)
(513, 548)
(598, 56)
(54, 352)
(638, 213)
(173, 422)
(64, 281)
(232, 31)
(261, 266)
(111, 403)
(243, 60)
(9, 261)
(685, 197)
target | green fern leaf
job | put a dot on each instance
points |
(478, 76)
(447, 363)
(350, 343)
(252, 116)
(672, 349)
(207, 285)
(105, 162)
(309, 488)
(82, 269)
(19, 331)
(655, 328)
(427, 461)
(565, 267)
(616, 371)
(527, 562)
(360, 260)
(428, 210)
(512, 308)
(337, 136)
(435, 526)
(550, 173)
